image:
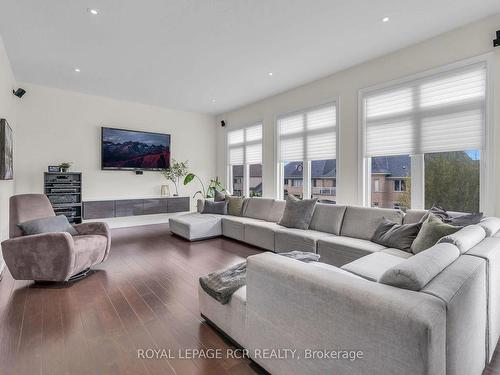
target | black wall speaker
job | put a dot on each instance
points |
(19, 92)
(496, 42)
(222, 123)
(139, 172)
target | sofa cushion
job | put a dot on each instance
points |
(416, 272)
(89, 250)
(292, 239)
(298, 213)
(235, 205)
(466, 238)
(339, 250)
(49, 224)
(218, 208)
(373, 266)
(328, 218)
(397, 253)
(390, 234)
(195, 226)
(258, 208)
(491, 225)
(361, 222)
(330, 268)
(261, 234)
(433, 229)
(277, 210)
(234, 226)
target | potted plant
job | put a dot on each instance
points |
(65, 166)
(214, 185)
(175, 172)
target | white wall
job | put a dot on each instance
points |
(8, 103)
(56, 125)
(471, 40)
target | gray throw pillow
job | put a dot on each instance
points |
(433, 229)
(298, 213)
(219, 208)
(50, 224)
(219, 196)
(391, 234)
(235, 205)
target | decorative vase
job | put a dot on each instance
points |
(165, 191)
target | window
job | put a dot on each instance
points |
(245, 160)
(391, 177)
(323, 180)
(428, 135)
(307, 153)
(399, 185)
(294, 171)
(452, 180)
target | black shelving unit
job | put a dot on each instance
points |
(64, 191)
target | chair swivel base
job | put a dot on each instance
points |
(80, 275)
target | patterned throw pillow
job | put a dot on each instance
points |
(235, 205)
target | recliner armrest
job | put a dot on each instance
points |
(43, 257)
(95, 228)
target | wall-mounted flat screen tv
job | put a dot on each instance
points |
(134, 150)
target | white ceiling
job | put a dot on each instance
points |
(182, 54)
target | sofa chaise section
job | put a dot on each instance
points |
(195, 226)
(290, 305)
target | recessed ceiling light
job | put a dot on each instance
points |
(213, 100)
(93, 11)
(385, 19)
(77, 70)
(270, 74)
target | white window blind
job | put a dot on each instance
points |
(308, 135)
(245, 145)
(439, 113)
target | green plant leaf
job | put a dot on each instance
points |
(189, 177)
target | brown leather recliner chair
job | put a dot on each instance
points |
(57, 256)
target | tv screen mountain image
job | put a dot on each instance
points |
(134, 150)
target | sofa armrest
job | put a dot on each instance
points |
(43, 257)
(96, 228)
(294, 305)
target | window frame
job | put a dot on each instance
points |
(246, 166)
(306, 177)
(487, 178)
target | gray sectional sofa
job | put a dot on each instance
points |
(437, 312)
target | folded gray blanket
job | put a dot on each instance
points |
(222, 284)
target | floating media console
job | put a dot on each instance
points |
(102, 209)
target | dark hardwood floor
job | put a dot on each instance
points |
(143, 297)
